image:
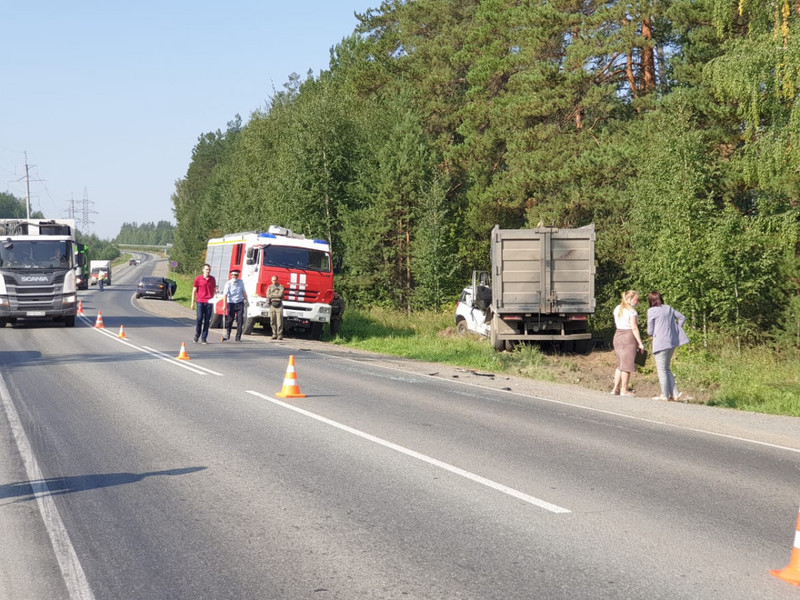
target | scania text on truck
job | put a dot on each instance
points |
(540, 288)
(303, 266)
(38, 262)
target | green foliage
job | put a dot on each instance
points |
(146, 234)
(672, 125)
(11, 207)
(98, 249)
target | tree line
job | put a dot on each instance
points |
(146, 234)
(670, 124)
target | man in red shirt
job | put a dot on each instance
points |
(205, 286)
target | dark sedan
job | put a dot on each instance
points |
(156, 287)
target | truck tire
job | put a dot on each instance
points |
(316, 331)
(69, 321)
(584, 346)
(249, 323)
(461, 327)
(216, 321)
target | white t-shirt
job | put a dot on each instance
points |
(623, 322)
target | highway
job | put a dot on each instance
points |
(126, 473)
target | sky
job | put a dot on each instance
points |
(104, 101)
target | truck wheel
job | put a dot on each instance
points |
(316, 331)
(461, 327)
(249, 323)
(583, 346)
(216, 321)
(69, 321)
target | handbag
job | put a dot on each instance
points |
(640, 358)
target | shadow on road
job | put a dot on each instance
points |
(55, 486)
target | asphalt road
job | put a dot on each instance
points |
(128, 474)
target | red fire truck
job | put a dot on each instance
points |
(303, 267)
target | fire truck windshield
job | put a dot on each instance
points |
(297, 258)
(40, 254)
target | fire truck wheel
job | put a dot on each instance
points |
(316, 331)
(249, 323)
(216, 321)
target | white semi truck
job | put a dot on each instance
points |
(37, 270)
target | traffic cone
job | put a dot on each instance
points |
(80, 308)
(791, 572)
(99, 323)
(290, 388)
(182, 354)
(122, 335)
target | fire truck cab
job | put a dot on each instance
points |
(303, 267)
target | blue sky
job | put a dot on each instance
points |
(109, 98)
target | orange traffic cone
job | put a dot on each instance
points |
(182, 355)
(122, 335)
(80, 308)
(290, 388)
(99, 323)
(791, 572)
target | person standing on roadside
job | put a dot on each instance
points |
(205, 286)
(275, 299)
(337, 310)
(627, 341)
(236, 301)
(665, 325)
(101, 279)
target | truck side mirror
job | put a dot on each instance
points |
(250, 256)
(337, 265)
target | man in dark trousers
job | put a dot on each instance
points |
(236, 299)
(337, 310)
(205, 286)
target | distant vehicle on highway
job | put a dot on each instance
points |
(156, 287)
(133, 262)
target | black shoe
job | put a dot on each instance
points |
(196, 338)
(204, 342)
(238, 339)
(274, 337)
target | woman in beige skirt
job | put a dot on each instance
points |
(627, 341)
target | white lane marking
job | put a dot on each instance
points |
(156, 354)
(579, 406)
(74, 576)
(181, 364)
(419, 456)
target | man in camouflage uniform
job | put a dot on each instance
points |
(275, 299)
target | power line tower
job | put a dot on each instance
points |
(85, 212)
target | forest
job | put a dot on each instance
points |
(671, 125)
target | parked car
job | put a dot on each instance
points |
(156, 287)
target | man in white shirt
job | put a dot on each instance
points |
(236, 300)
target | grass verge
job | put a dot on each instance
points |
(754, 380)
